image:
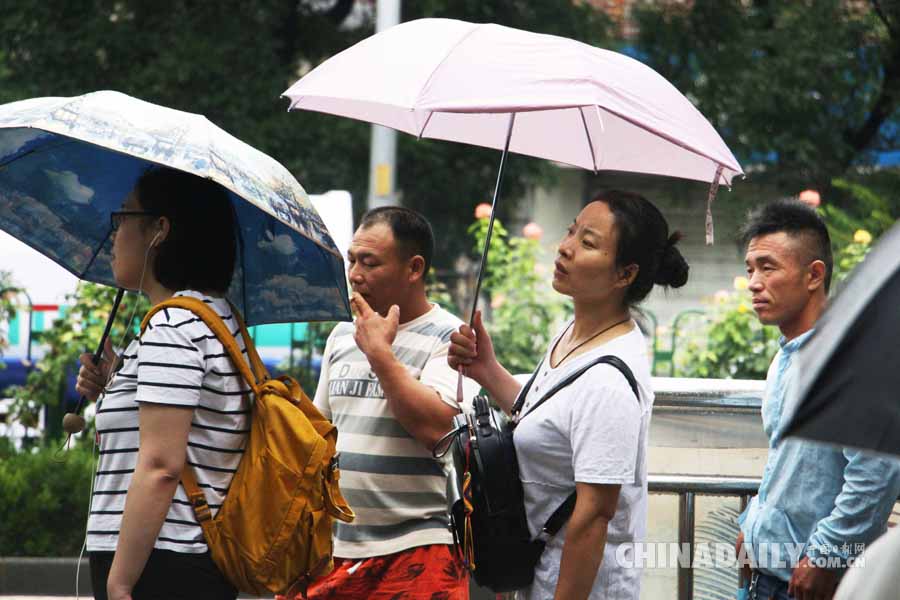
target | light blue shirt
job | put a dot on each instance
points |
(815, 500)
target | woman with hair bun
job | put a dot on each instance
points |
(591, 437)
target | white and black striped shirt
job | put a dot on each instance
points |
(177, 361)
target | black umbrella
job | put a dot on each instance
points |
(849, 371)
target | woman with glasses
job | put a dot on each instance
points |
(591, 437)
(176, 399)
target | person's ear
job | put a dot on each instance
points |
(163, 226)
(817, 271)
(627, 275)
(416, 266)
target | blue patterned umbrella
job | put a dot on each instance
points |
(66, 163)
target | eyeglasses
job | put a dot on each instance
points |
(116, 217)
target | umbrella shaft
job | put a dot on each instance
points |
(487, 241)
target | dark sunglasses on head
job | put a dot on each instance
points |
(116, 217)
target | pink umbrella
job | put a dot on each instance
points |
(528, 93)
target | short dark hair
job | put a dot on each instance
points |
(200, 251)
(799, 221)
(644, 240)
(411, 230)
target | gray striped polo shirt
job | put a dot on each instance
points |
(396, 488)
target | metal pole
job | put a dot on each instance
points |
(383, 150)
(487, 241)
(686, 540)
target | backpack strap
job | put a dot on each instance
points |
(254, 379)
(564, 511)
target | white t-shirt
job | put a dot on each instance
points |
(593, 431)
(177, 361)
(397, 489)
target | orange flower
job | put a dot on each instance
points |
(483, 211)
(533, 231)
(810, 198)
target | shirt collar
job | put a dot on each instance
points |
(789, 347)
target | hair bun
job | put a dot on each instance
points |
(673, 269)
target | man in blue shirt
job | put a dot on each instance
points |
(818, 506)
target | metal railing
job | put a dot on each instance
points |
(688, 487)
(703, 396)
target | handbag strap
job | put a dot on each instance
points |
(564, 511)
(520, 399)
(608, 359)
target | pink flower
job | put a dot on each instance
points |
(483, 211)
(533, 231)
(810, 198)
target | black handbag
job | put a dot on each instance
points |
(489, 525)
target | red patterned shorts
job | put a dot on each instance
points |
(424, 573)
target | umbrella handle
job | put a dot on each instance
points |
(73, 422)
(487, 241)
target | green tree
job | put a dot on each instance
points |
(871, 210)
(7, 308)
(806, 89)
(78, 330)
(523, 311)
(731, 343)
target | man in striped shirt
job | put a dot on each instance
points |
(386, 385)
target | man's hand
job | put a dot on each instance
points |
(745, 573)
(809, 582)
(374, 333)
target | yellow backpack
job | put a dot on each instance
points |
(273, 532)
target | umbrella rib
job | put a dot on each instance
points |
(674, 141)
(96, 253)
(427, 121)
(42, 148)
(587, 132)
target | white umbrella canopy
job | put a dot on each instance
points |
(573, 103)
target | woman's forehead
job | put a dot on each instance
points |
(596, 216)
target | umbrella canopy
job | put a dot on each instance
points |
(575, 104)
(849, 370)
(66, 163)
